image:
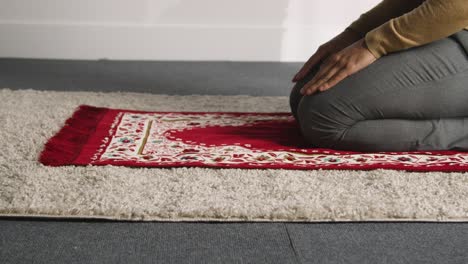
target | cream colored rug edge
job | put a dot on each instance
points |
(28, 118)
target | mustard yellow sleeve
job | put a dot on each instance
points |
(381, 13)
(430, 21)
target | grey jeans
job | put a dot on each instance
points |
(415, 99)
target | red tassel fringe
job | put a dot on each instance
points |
(66, 145)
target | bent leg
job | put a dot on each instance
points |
(295, 95)
(416, 99)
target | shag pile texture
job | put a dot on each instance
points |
(27, 188)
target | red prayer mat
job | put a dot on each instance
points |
(103, 136)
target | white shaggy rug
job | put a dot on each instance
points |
(28, 118)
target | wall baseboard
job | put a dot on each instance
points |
(162, 77)
(161, 42)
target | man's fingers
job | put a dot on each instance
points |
(322, 76)
(327, 64)
(327, 72)
(314, 59)
(305, 69)
(317, 76)
(339, 66)
(338, 77)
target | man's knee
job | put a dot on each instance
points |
(295, 95)
(322, 123)
(294, 99)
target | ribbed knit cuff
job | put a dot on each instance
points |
(382, 39)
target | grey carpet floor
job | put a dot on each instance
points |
(53, 241)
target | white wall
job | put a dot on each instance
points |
(242, 30)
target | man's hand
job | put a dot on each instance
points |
(339, 42)
(339, 66)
